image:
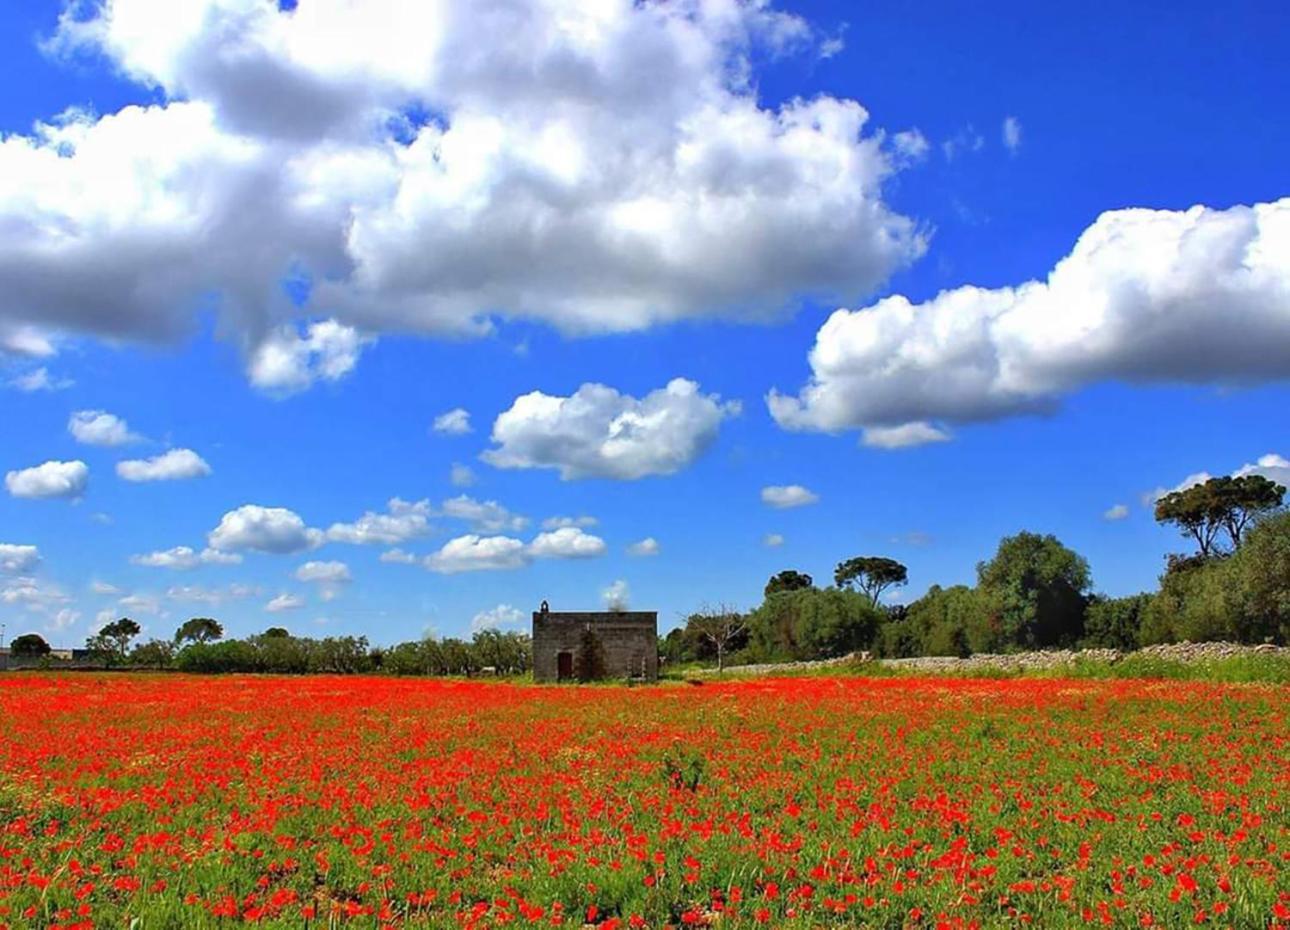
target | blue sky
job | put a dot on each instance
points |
(249, 237)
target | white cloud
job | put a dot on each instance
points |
(288, 361)
(478, 553)
(18, 560)
(455, 422)
(100, 428)
(62, 620)
(772, 540)
(197, 594)
(601, 167)
(1271, 466)
(52, 479)
(965, 140)
(503, 615)
(175, 465)
(40, 379)
(554, 523)
(1199, 296)
(647, 546)
(102, 587)
(1274, 467)
(788, 495)
(264, 529)
(617, 596)
(568, 542)
(484, 516)
(32, 594)
(1011, 134)
(910, 146)
(1116, 512)
(398, 557)
(404, 520)
(183, 558)
(917, 433)
(461, 476)
(327, 573)
(140, 603)
(598, 432)
(284, 602)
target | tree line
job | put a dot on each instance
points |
(1034, 593)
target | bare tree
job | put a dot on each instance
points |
(719, 625)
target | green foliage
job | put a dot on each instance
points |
(940, 623)
(1115, 622)
(788, 580)
(1204, 511)
(31, 645)
(155, 653)
(199, 630)
(1261, 569)
(810, 623)
(1035, 594)
(683, 770)
(111, 643)
(871, 574)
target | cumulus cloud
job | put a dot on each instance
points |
(1116, 512)
(18, 560)
(1011, 134)
(288, 361)
(918, 433)
(472, 552)
(554, 523)
(503, 615)
(647, 546)
(213, 597)
(598, 167)
(285, 602)
(32, 594)
(50, 480)
(183, 558)
(324, 572)
(455, 422)
(787, 495)
(264, 529)
(140, 603)
(103, 587)
(175, 465)
(599, 433)
(1272, 466)
(39, 379)
(100, 428)
(398, 557)
(617, 596)
(403, 520)
(1198, 296)
(568, 542)
(772, 540)
(461, 476)
(965, 140)
(484, 516)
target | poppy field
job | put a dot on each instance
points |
(137, 801)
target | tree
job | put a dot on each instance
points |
(155, 652)
(31, 645)
(199, 630)
(276, 632)
(1035, 594)
(1115, 622)
(788, 580)
(812, 624)
(1262, 571)
(871, 574)
(112, 642)
(720, 626)
(1224, 504)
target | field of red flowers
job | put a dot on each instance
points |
(164, 802)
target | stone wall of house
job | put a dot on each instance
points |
(608, 644)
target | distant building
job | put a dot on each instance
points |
(590, 645)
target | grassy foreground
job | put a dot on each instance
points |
(212, 802)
